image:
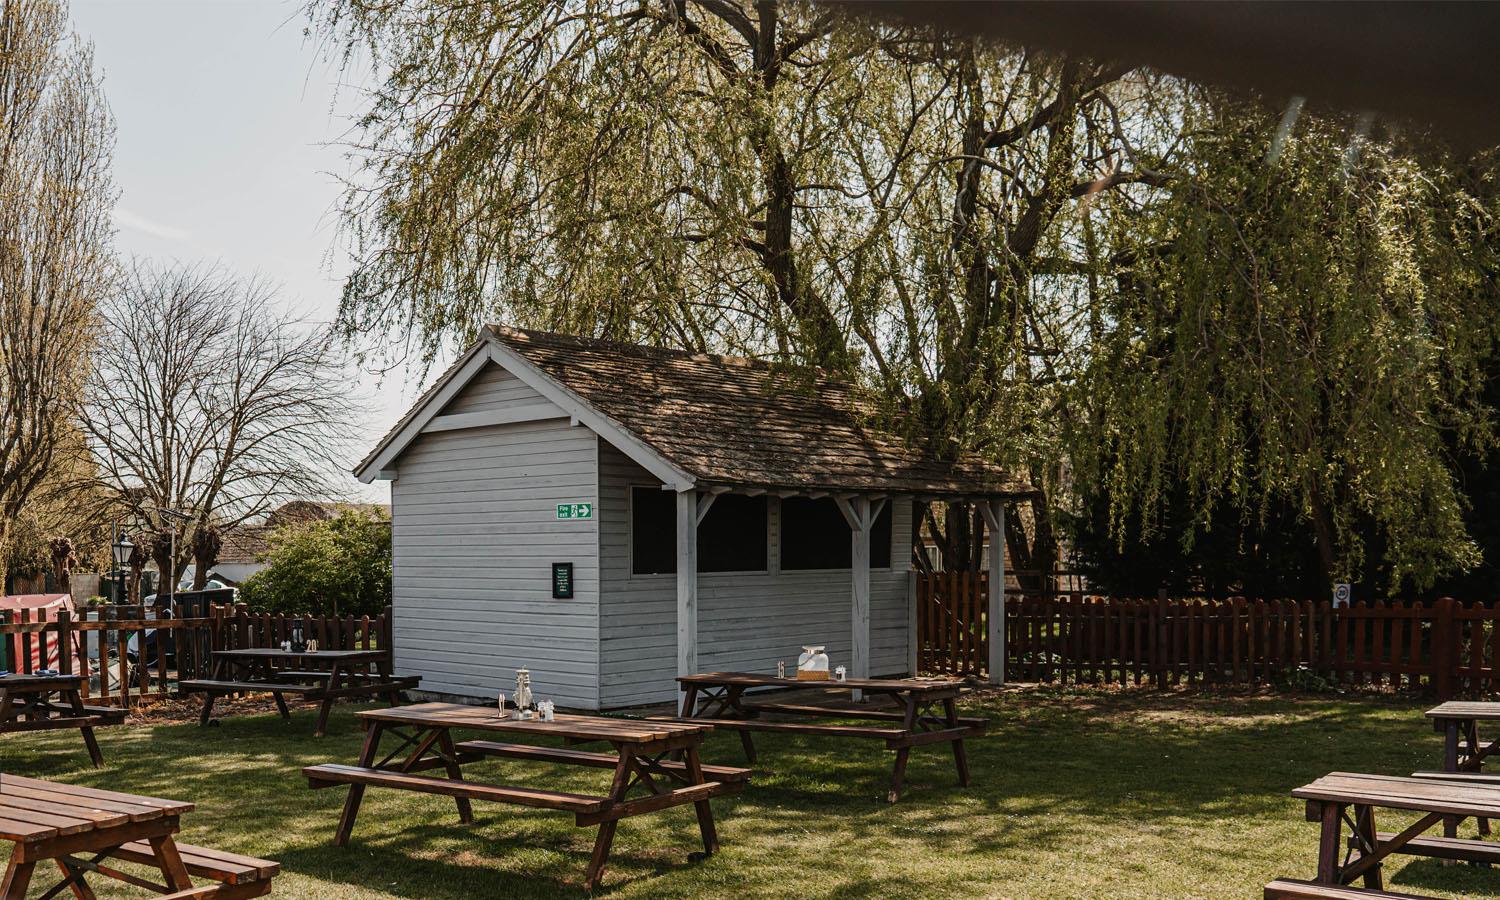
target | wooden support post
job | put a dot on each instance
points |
(859, 532)
(994, 518)
(912, 663)
(687, 582)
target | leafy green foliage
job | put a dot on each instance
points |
(1101, 278)
(1313, 338)
(341, 566)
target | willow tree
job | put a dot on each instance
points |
(1312, 334)
(763, 179)
(56, 139)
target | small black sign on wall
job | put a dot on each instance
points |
(562, 581)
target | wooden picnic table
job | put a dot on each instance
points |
(38, 702)
(326, 675)
(639, 761)
(922, 711)
(1346, 799)
(1463, 749)
(83, 829)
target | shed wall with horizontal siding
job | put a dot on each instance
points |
(473, 538)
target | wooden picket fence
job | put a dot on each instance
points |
(96, 643)
(1446, 647)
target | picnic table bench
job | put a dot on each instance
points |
(82, 830)
(640, 762)
(37, 702)
(924, 712)
(324, 675)
(1346, 799)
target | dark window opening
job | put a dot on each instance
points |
(815, 535)
(653, 531)
(731, 538)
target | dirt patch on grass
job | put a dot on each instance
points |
(186, 709)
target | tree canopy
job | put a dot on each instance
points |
(1191, 307)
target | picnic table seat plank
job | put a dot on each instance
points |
(586, 758)
(332, 774)
(864, 731)
(229, 868)
(202, 685)
(891, 715)
(1466, 849)
(221, 892)
(877, 685)
(1292, 889)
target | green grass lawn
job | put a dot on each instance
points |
(1076, 793)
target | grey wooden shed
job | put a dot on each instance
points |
(610, 516)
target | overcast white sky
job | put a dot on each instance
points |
(227, 116)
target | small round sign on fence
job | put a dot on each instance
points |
(1341, 595)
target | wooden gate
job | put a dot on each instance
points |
(952, 623)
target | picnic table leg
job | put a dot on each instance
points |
(170, 862)
(75, 700)
(333, 683)
(357, 791)
(960, 755)
(746, 741)
(1364, 820)
(208, 708)
(1450, 764)
(606, 835)
(17, 878)
(1474, 763)
(908, 725)
(1329, 814)
(450, 756)
(705, 812)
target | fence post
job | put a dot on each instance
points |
(1444, 655)
(64, 642)
(1159, 639)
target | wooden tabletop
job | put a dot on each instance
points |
(33, 810)
(1464, 709)
(486, 718)
(892, 685)
(1399, 792)
(40, 682)
(278, 653)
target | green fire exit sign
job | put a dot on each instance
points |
(575, 510)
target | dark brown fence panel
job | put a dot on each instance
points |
(119, 649)
(1446, 647)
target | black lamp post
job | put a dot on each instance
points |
(122, 548)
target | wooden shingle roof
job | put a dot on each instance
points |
(747, 424)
